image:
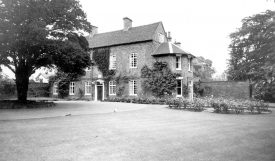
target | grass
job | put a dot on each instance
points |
(150, 133)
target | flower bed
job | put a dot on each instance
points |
(219, 105)
(173, 103)
(222, 105)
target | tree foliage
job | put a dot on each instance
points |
(252, 51)
(203, 68)
(160, 79)
(63, 80)
(37, 33)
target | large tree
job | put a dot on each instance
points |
(252, 50)
(203, 68)
(37, 33)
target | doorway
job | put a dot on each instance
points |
(99, 91)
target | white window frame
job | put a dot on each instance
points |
(189, 64)
(132, 87)
(178, 61)
(88, 88)
(112, 61)
(55, 88)
(72, 88)
(112, 88)
(160, 37)
(133, 60)
(179, 87)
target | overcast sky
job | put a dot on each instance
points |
(202, 26)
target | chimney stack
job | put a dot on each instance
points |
(169, 38)
(127, 23)
(177, 43)
(94, 31)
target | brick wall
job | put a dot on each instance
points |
(38, 90)
(229, 89)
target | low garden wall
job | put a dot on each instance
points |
(227, 89)
(8, 90)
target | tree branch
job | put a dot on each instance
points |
(8, 66)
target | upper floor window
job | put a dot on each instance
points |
(132, 87)
(71, 88)
(189, 64)
(112, 88)
(178, 63)
(133, 60)
(88, 88)
(112, 61)
(55, 87)
(160, 37)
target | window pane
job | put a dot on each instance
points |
(178, 62)
(132, 87)
(133, 60)
(178, 91)
(135, 87)
(112, 61)
(71, 89)
(87, 87)
(112, 88)
(179, 87)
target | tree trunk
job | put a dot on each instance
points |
(22, 85)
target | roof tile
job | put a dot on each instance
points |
(134, 34)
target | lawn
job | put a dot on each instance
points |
(151, 132)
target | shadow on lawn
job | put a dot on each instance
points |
(14, 104)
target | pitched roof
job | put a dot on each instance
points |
(134, 34)
(168, 48)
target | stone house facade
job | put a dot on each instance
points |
(131, 49)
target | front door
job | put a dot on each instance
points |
(99, 93)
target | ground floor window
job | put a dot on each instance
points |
(112, 88)
(71, 88)
(132, 87)
(88, 88)
(55, 87)
(179, 88)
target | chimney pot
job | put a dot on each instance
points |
(169, 38)
(127, 23)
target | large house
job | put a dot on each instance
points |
(130, 49)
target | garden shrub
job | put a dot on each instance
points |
(159, 80)
(220, 105)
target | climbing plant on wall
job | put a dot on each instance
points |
(160, 79)
(101, 57)
(63, 80)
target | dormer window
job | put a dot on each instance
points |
(112, 61)
(178, 63)
(160, 37)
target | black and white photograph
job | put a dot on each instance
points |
(137, 80)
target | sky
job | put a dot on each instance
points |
(202, 26)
